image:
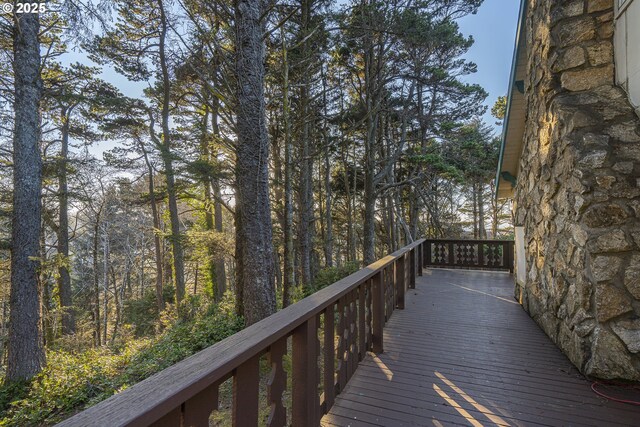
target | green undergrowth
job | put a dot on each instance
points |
(325, 277)
(72, 382)
(75, 379)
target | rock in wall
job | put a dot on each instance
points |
(578, 190)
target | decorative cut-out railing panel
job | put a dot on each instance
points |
(472, 254)
(286, 369)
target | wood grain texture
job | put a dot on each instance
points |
(277, 384)
(246, 394)
(463, 345)
(305, 407)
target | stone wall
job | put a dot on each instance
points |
(578, 190)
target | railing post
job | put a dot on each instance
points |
(304, 390)
(329, 357)
(427, 253)
(362, 329)
(451, 256)
(277, 384)
(400, 283)
(412, 276)
(509, 249)
(378, 312)
(420, 258)
(246, 385)
(196, 411)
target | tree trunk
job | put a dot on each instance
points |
(252, 161)
(289, 276)
(116, 305)
(414, 213)
(495, 213)
(25, 350)
(105, 280)
(482, 232)
(306, 172)
(328, 236)
(474, 195)
(64, 278)
(208, 201)
(220, 274)
(370, 194)
(167, 157)
(44, 286)
(97, 339)
(157, 244)
(238, 272)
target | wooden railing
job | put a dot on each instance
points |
(326, 335)
(472, 254)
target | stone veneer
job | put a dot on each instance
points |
(578, 190)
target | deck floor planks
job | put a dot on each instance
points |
(466, 327)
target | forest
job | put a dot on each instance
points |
(277, 146)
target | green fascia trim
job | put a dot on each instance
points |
(512, 81)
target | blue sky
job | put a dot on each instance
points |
(494, 31)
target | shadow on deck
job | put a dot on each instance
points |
(464, 352)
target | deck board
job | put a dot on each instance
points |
(463, 352)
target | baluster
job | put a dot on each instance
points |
(377, 313)
(451, 255)
(427, 254)
(172, 419)
(412, 263)
(391, 293)
(277, 384)
(369, 310)
(466, 254)
(316, 378)
(342, 367)
(473, 248)
(400, 281)
(197, 410)
(354, 331)
(486, 252)
(420, 260)
(305, 368)
(362, 328)
(480, 250)
(246, 383)
(495, 262)
(351, 342)
(509, 248)
(329, 358)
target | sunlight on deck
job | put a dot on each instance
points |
(458, 355)
(485, 411)
(457, 407)
(383, 368)
(485, 293)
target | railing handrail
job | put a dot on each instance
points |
(471, 240)
(158, 395)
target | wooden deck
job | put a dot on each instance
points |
(463, 352)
